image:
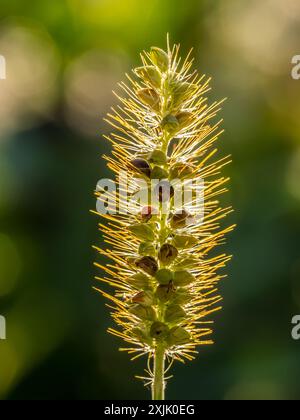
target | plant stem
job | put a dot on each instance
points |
(158, 387)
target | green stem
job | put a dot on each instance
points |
(158, 387)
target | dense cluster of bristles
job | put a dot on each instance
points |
(164, 279)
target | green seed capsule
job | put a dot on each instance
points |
(181, 171)
(164, 276)
(148, 265)
(167, 254)
(165, 293)
(184, 241)
(182, 297)
(140, 281)
(143, 232)
(183, 278)
(145, 313)
(158, 157)
(150, 74)
(174, 314)
(150, 97)
(141, 335)
(186, 264)
(159, 331)
(159, 173)
(181, 91)
(184, 118)
(170, 124)
(145, 298)
(147, 249)
(178, 336)
(142, 166)
(160, 58)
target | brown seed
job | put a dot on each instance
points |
(141, 165)
(148, 265)
(181, 219)
(167, 254)
(184, 118)
(165, 293)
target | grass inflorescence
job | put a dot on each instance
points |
(164, 277)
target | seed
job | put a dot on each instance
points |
(178, 336)
(159, 331)
(159, 173)
(158, 157)
(184, 118)
(167, 254)
(181, 219)
(186, 264)
(150, 74)
(174, 314)
(142, 166)
(145, 313)
(147, 248)
(160, 58)
(182, 297)
(150, 97)
(181, 91)
(181, 170)
(170, 123)
(143, 298)
(165, 293)
(140, 281)
(183, 278)
(141, 335)
(148, 265)
(142, 231)
(184, 241)
(164, 276)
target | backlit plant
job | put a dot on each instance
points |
(163, 275)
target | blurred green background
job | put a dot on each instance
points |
(63, 59)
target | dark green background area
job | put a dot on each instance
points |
(63, 60)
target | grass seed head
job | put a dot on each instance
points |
(164, 276)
